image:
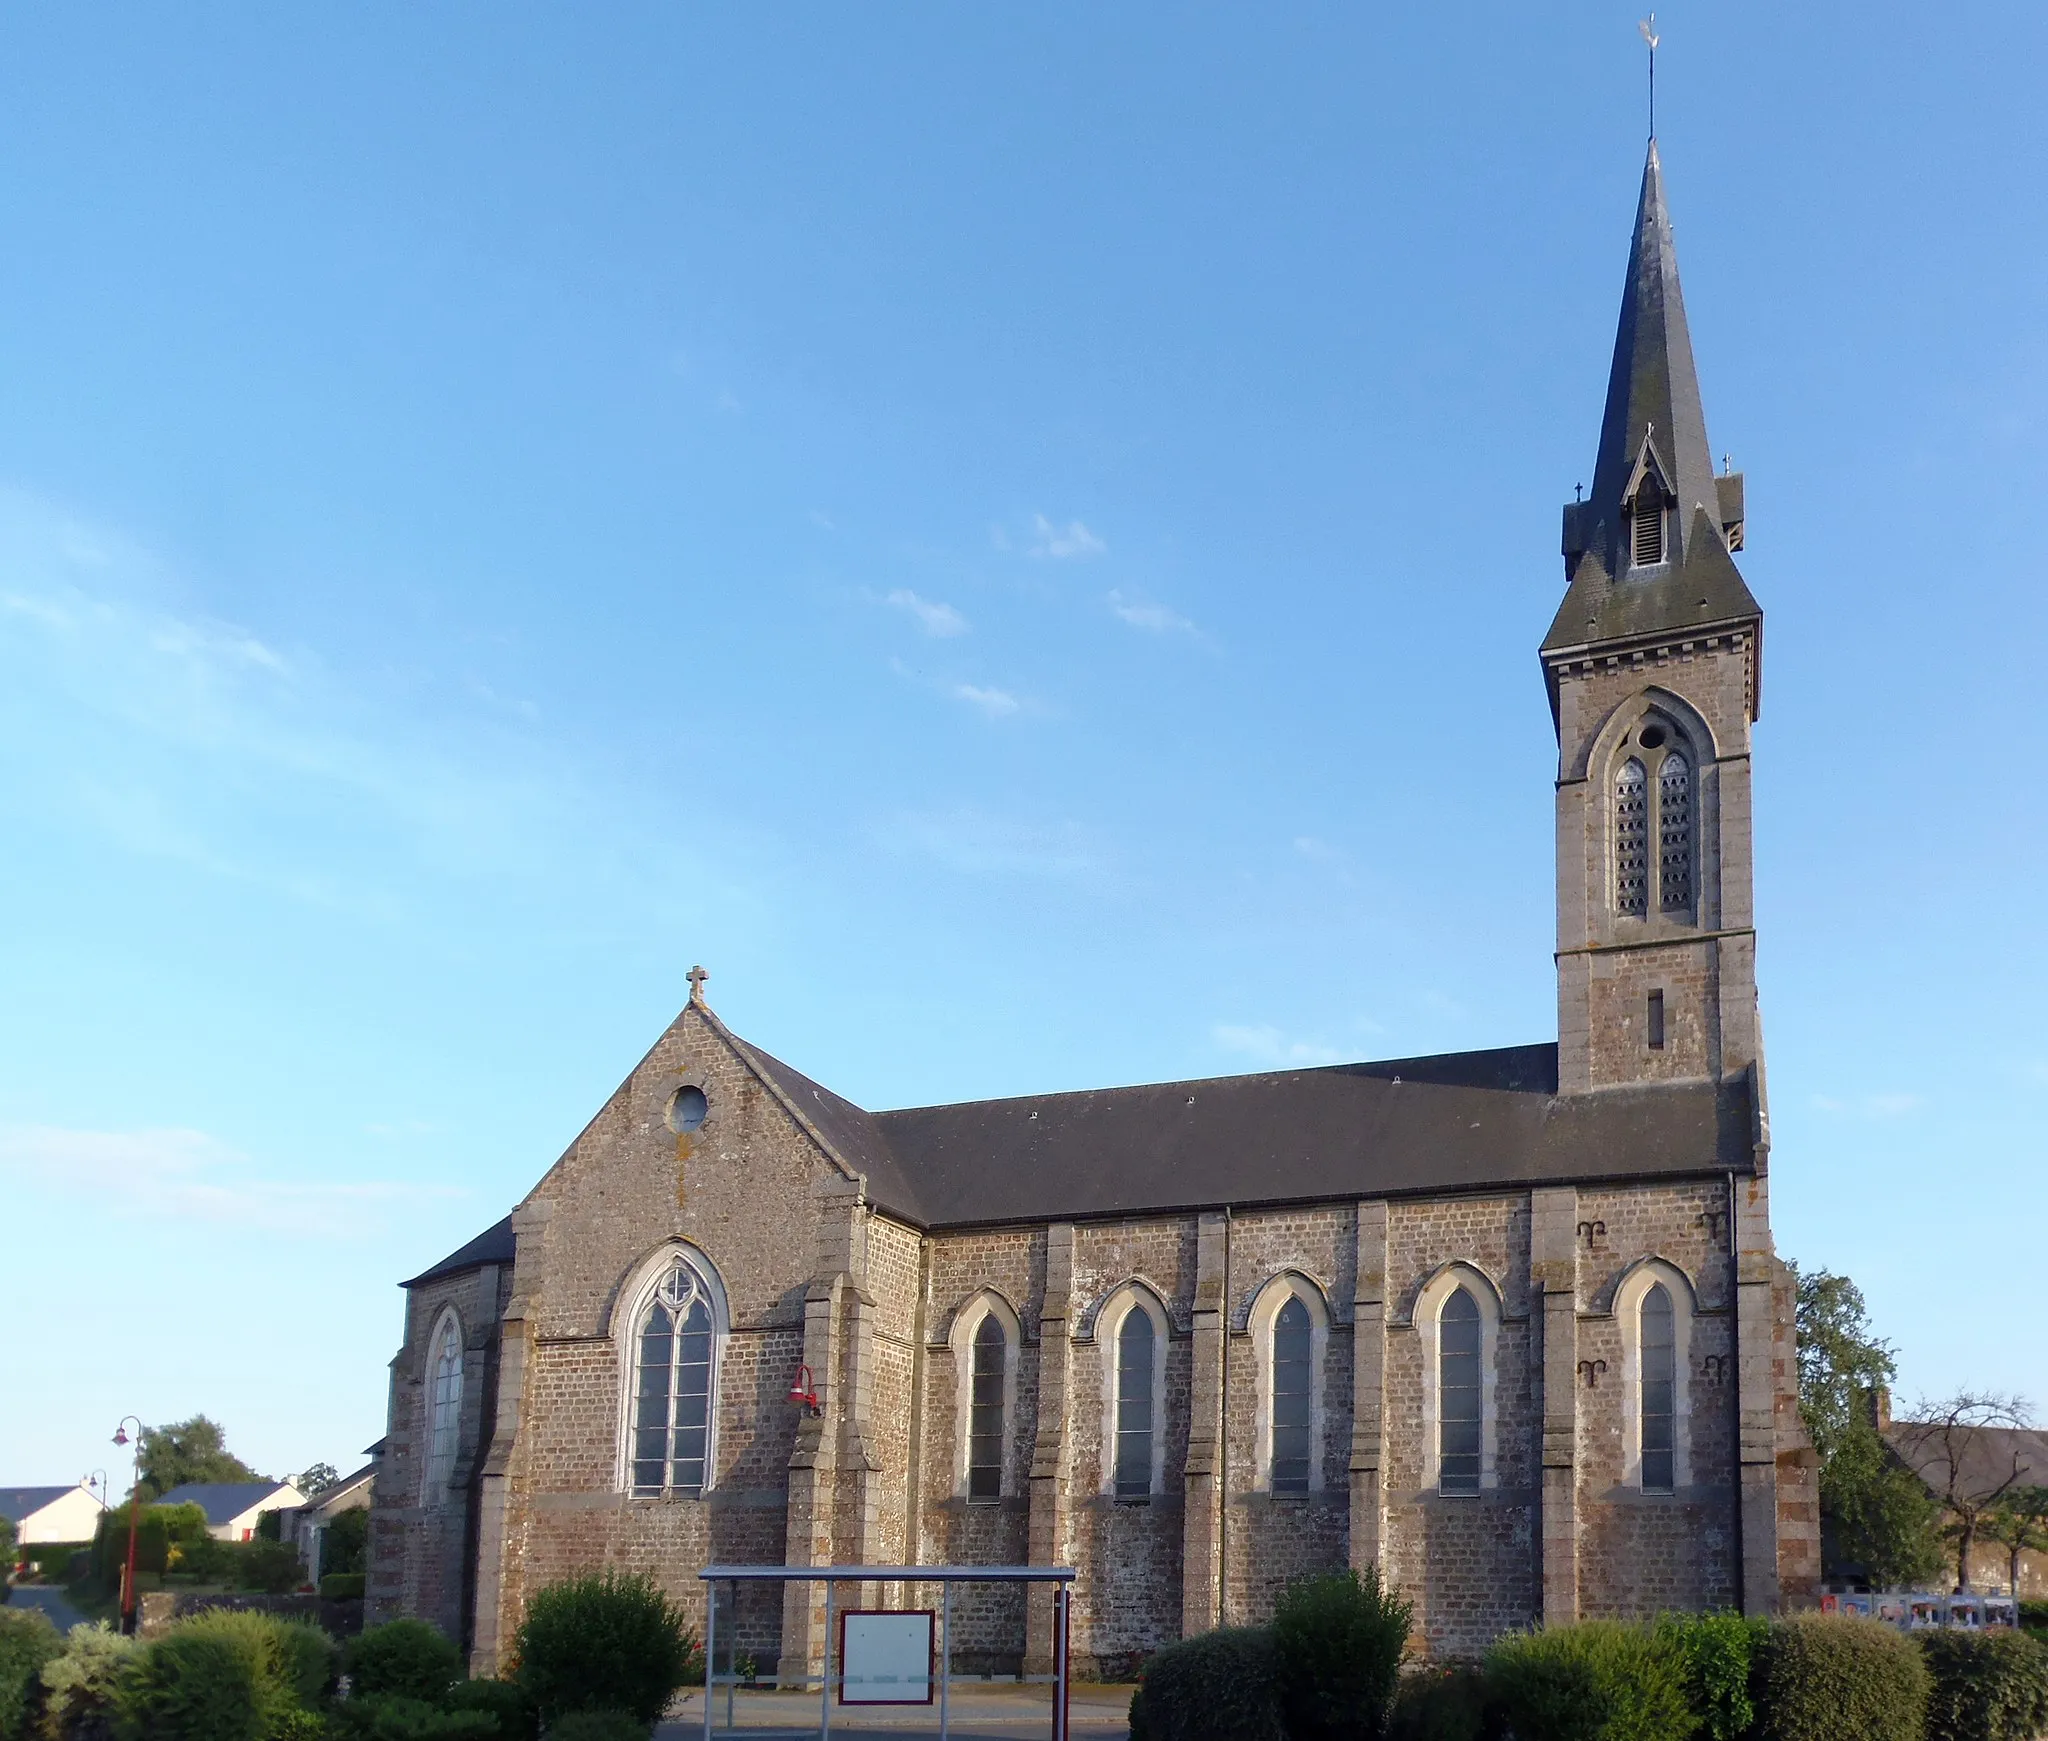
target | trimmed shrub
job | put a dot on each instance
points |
(393, 1717)
(343, 1586)
(1832, 1677)
(191, 1685)
(598, 1726)
(271, 1567)
(1216, 1686)
(1449, 1704)
(505, 1701)
(1596, 1681)
(605, 1643)
(1337, 1644)
(27, 1642)
(81, 1685)
(1719, 1651)
(402, 1658)
(1988, 1686)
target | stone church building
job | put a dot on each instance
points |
(1508, 1324)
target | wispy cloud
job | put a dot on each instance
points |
(1317, 850)
(995, 703)
(1880, 1106)
(1268, 1045)
(187, 1175)
(1063, 543)
(940, 621)
(977, 842)
(1154, 619)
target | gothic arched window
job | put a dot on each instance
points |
(1659, 1410)
(985, 1411)
(672, 1386)
(1292, 1398)
(1674, 834)
(1136, 1351)
(1632, 840)
(1459, 1401)
(444, 1406)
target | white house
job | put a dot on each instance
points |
(51, 1514)
(233, 1508)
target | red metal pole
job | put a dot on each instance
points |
(129, 1603)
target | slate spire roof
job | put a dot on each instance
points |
(1654, 418)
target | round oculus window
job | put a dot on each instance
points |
(687, 1109)
(1653, 737)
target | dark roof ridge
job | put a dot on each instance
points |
(1417, 1068)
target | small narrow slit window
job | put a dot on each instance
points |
(985, 1413)
(1659, 1400)
(1458, 1399)
(1655, 1024)
(1135, 1351)
(1291, 1341)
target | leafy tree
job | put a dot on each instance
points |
(1875, 1512)
(316, 1480)
(194, 1450)
(6, 1543)
(2019, 1524)
(346, 1547)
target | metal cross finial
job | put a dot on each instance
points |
(696, 976)
(1648, 27)
(1578, 492)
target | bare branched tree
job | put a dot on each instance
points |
(1960, 1449)
(2019, 1524)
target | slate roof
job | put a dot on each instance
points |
(1987, 1455)
(1461, 1121)
(493, 1245)
(17, 1503)
(223, 1501)
(1653, 396)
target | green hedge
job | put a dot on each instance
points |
(1216, 1686)
(27, 1642)
(342, 1586)
(1597, 1681)
(81, 1686)
(605, 1643)
(228, 1676)
(1988, 1686)
(1446, 1704)
(1337, 1646)
(598, 1726)
(403, 1659)
(1831, 1677)
(1719, 1653)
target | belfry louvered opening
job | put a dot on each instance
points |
(1632, 840)
(1646, 524)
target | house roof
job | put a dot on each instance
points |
(493, 1245)
(224, 1501)
(17, 1503)
(1459, 1121)
(327, 1497)
(1986, 1457)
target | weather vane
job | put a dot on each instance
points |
(1648, 27)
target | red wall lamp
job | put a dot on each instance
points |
(804, 1393)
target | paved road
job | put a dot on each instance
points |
(50, 1600)
(978, 1713)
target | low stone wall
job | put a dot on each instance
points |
(161, 1607)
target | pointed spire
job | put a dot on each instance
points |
(1653, 390)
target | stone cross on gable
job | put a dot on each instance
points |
(696, 976)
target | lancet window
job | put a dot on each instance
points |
(673, 1350)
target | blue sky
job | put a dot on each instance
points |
(1016, 536)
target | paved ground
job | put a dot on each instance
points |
(980, 1711)
(50, 1600)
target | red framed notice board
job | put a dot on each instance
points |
(887, 1656)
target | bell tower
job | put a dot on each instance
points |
(1654, 668)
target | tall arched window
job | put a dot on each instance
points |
(1459, 1402)
(1136, 1352)
(985, 1417)
(444, 1406)
(672, 1386)
(1674, 834)
(1292, 1398)
(1632, 840)
(1659, 1409)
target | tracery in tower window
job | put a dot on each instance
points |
(1632, 840)
(1674, 834)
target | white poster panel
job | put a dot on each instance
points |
(885, 1656)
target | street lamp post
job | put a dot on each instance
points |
(128, 1597)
